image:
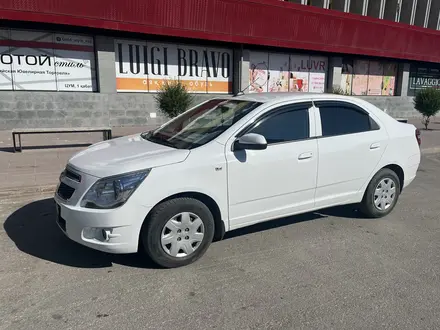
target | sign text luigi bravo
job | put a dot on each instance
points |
(143, 66)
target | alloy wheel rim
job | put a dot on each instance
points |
(182, 234)
(384, 194)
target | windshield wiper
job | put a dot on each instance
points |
(158, 139)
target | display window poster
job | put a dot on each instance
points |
(360, 77)
(144, 66)
(299, 73)
(221, 75)
(258, 72)
(278, 73)
(389, 79)
(375, 78)
(287, 73)
(5, 69)
(347, 76)
(317, 68)
(35, 60)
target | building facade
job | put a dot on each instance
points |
(100, 63)
(423, 13)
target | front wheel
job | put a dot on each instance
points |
(178, 232)
(381, 195)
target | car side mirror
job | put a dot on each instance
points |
(250, 141)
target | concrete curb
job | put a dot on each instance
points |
(429, 151)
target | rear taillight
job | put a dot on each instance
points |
(418, 137)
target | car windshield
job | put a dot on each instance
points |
(201, 124)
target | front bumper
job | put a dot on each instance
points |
(85, 226)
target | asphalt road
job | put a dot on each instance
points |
(327, 270)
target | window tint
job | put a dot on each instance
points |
(373, 125)
(285, 126)
(340, 119)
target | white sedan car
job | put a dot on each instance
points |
(233, 162)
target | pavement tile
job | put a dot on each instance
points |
(46, 179)
(19, 180)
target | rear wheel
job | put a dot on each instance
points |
(381, 195)
(178, 232)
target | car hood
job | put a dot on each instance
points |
(126, 154)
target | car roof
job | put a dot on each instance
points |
(289, 96)
(270, 99)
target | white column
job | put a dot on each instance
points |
(413, 12)
(428, 11)
(438, 21)
(105, 64)
(402, 79)
(382, 9)
(365, 8)
(334, 73)
(241, 71)
(399, 10)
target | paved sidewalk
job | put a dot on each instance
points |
(431, 137)
(43, 158)
(37, 169)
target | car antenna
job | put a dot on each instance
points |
(243, 90)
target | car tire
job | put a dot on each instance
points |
(378, 199)
(163, 226)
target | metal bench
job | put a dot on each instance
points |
(106, 133)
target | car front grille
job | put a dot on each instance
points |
(64, 191)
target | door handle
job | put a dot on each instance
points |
(305, 155)
(375, 146)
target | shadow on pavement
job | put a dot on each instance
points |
(348, 211)
(35, 232)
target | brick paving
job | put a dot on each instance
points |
(44, 156)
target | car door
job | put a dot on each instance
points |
(277, 181)
(351, 144)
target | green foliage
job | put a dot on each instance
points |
(427, 102)
(339, 90)
(173, 99)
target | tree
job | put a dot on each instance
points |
(427, 102)
(173, 98)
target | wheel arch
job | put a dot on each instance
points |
(393, 166)
(399, 171)
(212, 205)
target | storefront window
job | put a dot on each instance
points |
(278, 72)
(144, 67)
(337, 5)
(316, 3)
(32, 60)
(391, 10)
(364, 77)
(423, 76)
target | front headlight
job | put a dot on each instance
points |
(112, 192)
